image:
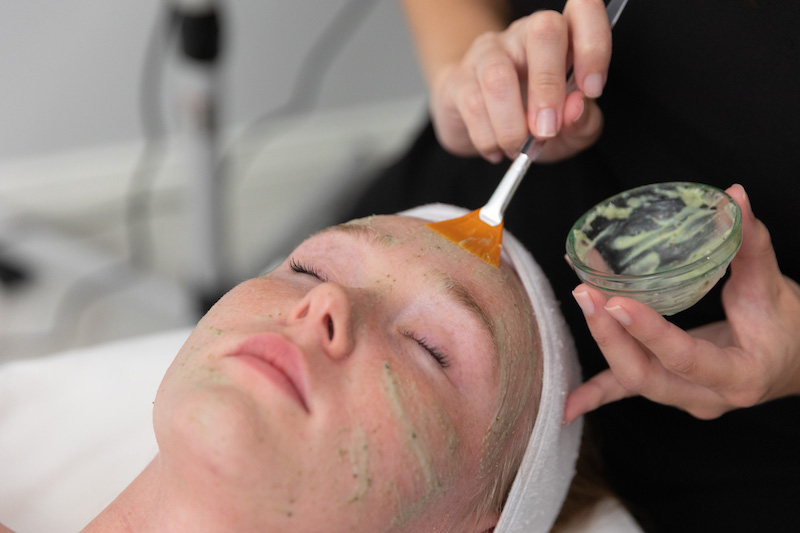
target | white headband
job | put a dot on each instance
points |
(547, 468)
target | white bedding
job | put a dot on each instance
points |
(75, 429)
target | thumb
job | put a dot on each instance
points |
(754, 270)
(599, 390)
(583, 119)
(582, 127)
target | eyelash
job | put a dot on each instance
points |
(440, 358)
(301, 268)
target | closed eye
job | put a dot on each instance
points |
(437, 354)
(302, 268)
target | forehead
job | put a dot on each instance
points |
(414, 246)
(411, 235)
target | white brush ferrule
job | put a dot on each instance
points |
(492, 212)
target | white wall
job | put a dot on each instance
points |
(71, 68)
(71, 132)
(70, 139)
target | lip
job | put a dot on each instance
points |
(273, 356)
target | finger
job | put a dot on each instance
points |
(472, 110)
(547, 42)
(634, 367)
(625, 356)
(448, 121)
(500, 86)
(755, 275)
(578, 135)
(590, 39)
(574, 110)
(601, 389)
(697, 361)
(583, 121)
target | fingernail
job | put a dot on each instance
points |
(546, 123)
(584, 302)
(580, 113)
(494, 157)
(593, 85)
(620, 315)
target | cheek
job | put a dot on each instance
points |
(204, 419)
(416, 450)
(243, 310)
(195, 364)
(255, 300)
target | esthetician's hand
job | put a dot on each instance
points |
(752, 357)
(513, 82)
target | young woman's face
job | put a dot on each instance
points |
(351, 389)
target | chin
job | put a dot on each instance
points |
(214, 433)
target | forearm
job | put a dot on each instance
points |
(443, 30)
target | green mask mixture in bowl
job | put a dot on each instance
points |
(665, 244)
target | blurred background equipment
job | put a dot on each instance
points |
(198, 102)
(102, 199)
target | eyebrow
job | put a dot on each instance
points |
(464, 297)
(454, 289)
(361, 232)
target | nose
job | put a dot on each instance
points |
(325, 313)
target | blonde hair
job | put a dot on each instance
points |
(507, 438)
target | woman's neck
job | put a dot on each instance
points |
(156, 501)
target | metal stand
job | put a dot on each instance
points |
(198, 88)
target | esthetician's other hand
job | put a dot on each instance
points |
(752, 357)
(489, 92)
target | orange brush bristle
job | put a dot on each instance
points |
(474, 235)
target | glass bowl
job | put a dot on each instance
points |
(665, 245)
